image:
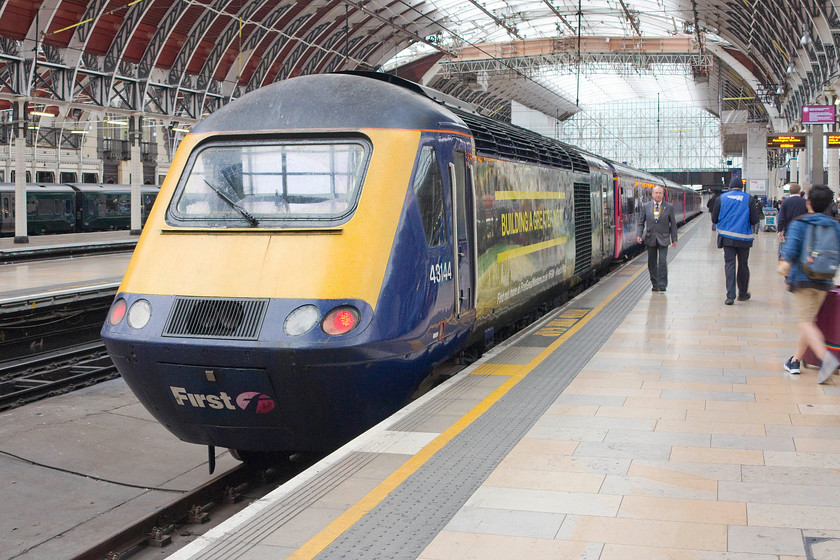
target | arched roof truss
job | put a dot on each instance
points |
(182, 59)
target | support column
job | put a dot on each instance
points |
(755, 161)
(833, 169)
(794, 169)
(817, 174)
(135, 137)
(20, 173)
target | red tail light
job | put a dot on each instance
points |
(117, 313)
(341, 320)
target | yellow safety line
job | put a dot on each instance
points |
(528, 249)
(528, 195)
(343, 522)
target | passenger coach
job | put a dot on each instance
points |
(320, 244)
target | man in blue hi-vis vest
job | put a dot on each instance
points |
(735, 216)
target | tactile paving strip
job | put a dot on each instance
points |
(406, 521)
(250, 534)
(432, 407)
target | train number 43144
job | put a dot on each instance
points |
(440, 272)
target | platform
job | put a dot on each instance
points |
(77, 468)
(55, 269)
(626, 425)
(67, 244)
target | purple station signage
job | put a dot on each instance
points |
(818, 114)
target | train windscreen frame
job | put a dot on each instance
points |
(273, 183)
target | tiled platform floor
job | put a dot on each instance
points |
(683, 438)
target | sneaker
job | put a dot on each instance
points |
(744, 297)
(654, 289)
(661, 289)
(828, 367)
(729, 301)
(792, 366)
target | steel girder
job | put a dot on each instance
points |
(566, 63)
(277, 46)
(283, 38)
(772, 37)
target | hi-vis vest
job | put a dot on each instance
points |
(734, 216)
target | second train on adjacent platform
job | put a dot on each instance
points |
(322, 243)
(73, 207)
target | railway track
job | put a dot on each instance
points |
(27, 379)
(221, 498)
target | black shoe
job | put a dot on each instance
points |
(729, 301)
(744, 297)
(661, 289)
(654, 289)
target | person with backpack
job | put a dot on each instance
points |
(810, 258)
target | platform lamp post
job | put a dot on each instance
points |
(135, 134)
(20, 123)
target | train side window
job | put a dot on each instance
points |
(45, 176)
(6, 206)
(428, 190)
(28, 177)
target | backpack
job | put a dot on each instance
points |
(820, 254)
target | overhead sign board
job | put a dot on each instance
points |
(786, 141)
(818, 114)
(833, 140)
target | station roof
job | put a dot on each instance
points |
(181, 59)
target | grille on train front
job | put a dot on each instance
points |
(238, 319)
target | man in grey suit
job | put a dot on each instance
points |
(657, 227)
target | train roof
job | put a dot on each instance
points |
(96, 187)
(330, 102)
(353, 100)
(37, 187)
(77, 187)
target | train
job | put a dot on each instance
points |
(322, 243)
(73, 207)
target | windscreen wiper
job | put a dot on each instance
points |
(248, 216)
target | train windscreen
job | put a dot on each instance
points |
(271, 185)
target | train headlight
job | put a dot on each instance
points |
(341, 320)
(139, 314)
(117, 312)
(301, 320)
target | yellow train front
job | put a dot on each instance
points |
(297, 279)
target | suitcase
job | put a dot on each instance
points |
(828, 320)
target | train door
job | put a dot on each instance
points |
(606, 206)
(463, 231)
(6, 221)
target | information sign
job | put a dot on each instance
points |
(818, 114)
(786, 141)
(833, 140)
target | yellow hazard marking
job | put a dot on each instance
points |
(496, 369)
(528, 195)
(528, 249)
(343, 522)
